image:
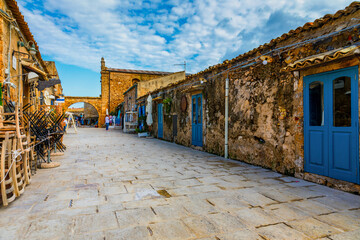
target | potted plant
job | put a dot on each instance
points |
(143, 128)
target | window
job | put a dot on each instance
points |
(199, 109)
(194, 109)
(316, 103)
(342, 102)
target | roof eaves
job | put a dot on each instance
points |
(138, 71)
(129, 89)
(24, 27)
(353, 7)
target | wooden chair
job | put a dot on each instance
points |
(17, 171)
(6, 166)
(20, 172)
(33, 157)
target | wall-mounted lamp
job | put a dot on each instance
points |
(32, 77)
(30, 46)
(203, 80)
(266, 59)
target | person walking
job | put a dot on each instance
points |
(107, 122)
(65, 124)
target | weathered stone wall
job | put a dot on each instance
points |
(145, 87)
(265, 103)
(3, 43)
(260, 123)
(130, 99)
(90, 111)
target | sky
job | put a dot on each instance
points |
(158, 34)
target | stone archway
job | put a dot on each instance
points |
(94, 101)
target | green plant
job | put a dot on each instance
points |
(167, 105)
(142, 118)
(167, 100)
(137, 130)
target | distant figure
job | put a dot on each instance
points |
(107, 122)
(65, 124)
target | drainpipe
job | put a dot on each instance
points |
(9, 53)
(20, 82)
(226, 116)
(9, 60)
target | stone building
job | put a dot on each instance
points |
(51, 90)
(141, 88)
(23, 72)
(130, 97)
(293, 104)
(114, 82)
(21, 64)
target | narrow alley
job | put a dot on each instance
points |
(112, 185)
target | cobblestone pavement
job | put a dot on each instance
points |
(111, 185)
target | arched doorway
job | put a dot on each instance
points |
(85, 114)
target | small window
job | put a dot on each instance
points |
(194, 110)
(199, 110)
(342, 102)
(316, 103)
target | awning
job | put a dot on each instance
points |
(323, 58)
(46, 84)
(157, 99)
(31, 67)
(194, 88)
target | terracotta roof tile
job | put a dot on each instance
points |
(323, 57)
(138, 71)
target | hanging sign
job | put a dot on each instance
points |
(14, 62)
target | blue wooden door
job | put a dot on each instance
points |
(331, 124)
(160, 121)
(197, 120)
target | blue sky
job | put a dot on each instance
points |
(155, 35)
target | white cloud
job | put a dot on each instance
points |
(147, 35)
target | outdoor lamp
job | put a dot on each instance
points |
(32, 49)
(32, 77)
(30, 46)
(266, 59)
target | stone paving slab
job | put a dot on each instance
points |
(112, 185)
